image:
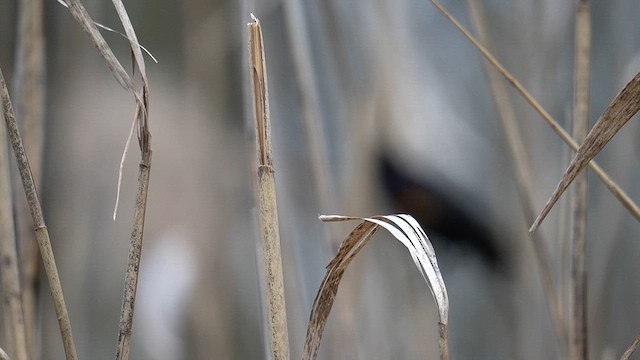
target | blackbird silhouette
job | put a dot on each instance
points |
(449, 223)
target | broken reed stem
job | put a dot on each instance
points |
(609, 183)
(29, 96)
(133, 265)
(42, 235)
(579, 334)
(11, 291)
(523, 174)
(266, 197)
(631, 349)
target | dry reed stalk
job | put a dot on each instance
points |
(141, 124)
(579, 335)
(141, 121)
(133, 265)
(29, 96)
(406, 230)
(615, 189)
(266, 198)
(11, 290)
(42, 234)
(523, 173)
(631, 349)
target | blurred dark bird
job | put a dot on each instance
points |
(448, 223)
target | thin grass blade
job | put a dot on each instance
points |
(622, 108)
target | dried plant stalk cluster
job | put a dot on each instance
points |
(140, 123)
(625, 105)
(570, 326)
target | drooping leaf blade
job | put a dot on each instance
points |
(406, 230)
(622, 108)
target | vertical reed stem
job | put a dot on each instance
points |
(29, 95)
(266, 197)
(42, 235)
(523, 174)
(11, 291)
(133, 266)
(579, 335)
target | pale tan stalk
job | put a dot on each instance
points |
(133, 265)
(579, 334)
(141, 120)
(266, 198)
(42, 235)
(523, 173)
(11, 291)
(609, 183)
(3, 355)
(29, 96)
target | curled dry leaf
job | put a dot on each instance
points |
(406, 230)
(622, 108)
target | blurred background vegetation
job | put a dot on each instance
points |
(409, 125)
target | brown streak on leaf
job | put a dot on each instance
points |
(329, 287)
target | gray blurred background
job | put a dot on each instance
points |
(401, 98)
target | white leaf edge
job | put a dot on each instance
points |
(409, 232)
